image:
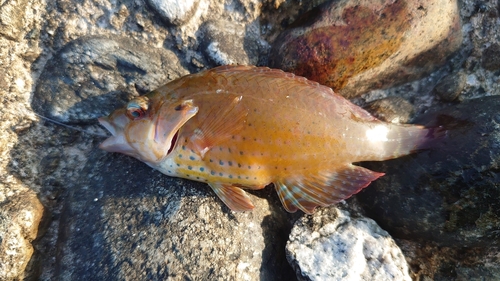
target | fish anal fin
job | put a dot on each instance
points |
(218, 125)
(324, 188)
(234, 197)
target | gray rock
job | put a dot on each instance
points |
(225, 42)
(13, 19)
(20, 215)
(427, 261)
(333, 245)
(175, 12)
(450, 87)
(477, 272)
(491, 57)
(391, 109)
(123, 220)
(449, 193)
(92, 76)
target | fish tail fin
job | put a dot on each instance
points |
(324, 188)
(388, 141)
(431, 139)
(403, 140)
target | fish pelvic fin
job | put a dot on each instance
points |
(234, 197)
(323, 189)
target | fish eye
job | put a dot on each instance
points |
(137, 108)
(135, 112)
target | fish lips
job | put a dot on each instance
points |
(117, 142)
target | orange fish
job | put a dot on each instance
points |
(237, 127)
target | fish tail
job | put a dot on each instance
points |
(403, 140)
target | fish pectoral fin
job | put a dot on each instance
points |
(323, 189)
(220, 123)
(234, 197)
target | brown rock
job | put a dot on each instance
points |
(20, 215)
(12, 19)
(357, 46)
(391, 109)
(450, 87)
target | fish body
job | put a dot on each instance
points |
(237, 127)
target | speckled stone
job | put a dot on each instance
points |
(126, 220)
(427, 261)
(450, 87)
(447, 194)
(13, 19)
(334, 245)
(225, 42)
(491, 57)
(175, 11)
(92, 76)
(20, 215)
(355, 46)
(391, 109)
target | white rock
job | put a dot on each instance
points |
(175, 11)
(345, 249)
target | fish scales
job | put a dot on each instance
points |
(245, 127)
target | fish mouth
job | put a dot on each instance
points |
(173, 142)
(106, 124)
(115, 143)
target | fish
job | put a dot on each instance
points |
(245, 127)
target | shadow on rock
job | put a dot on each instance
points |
(447, 194)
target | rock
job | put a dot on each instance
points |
(430, 262)
(13, 19)
(92, 76)
(225, 42)
(20, 215)
(356, 46)
(450, 87)
(125, 220)
(175, 12)
(449, 193)
(333, 245)
(491, 57)
(391, 109)
(48, 158)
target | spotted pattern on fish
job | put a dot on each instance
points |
(239, 127)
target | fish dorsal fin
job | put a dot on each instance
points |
(290, 83)
(324, 188)
(219, 124)
(234, 197)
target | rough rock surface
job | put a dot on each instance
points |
(49, 159)
(175, 11)
(149, 226)
(449, 193)
(226, 42)
(92, 76)
(20, 215)
(334, 245)
(13, 23)
(357, 46)
(450, 87)
(391, 109)
(491, 57)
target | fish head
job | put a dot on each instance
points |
(147, 127)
